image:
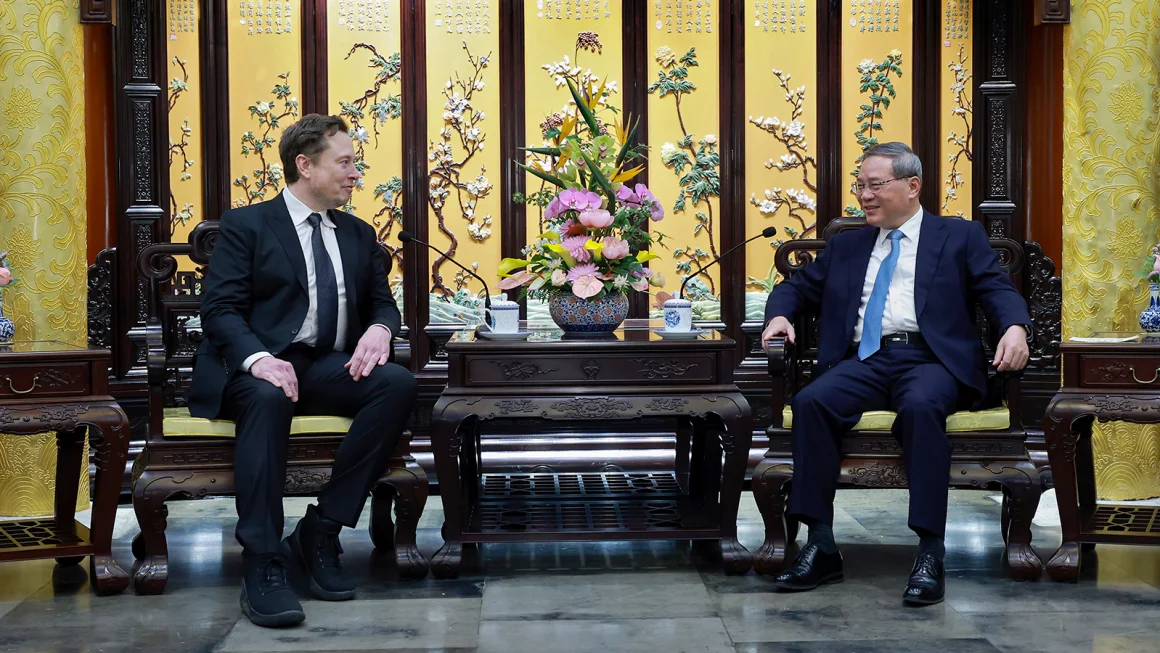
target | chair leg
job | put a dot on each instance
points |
(411, 490)
(771, 481)
(1021, 491)
(382, 529)
(150, 491)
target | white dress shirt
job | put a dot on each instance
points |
(899, 314)
(308, 333)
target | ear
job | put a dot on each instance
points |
(303, 163)
(914, 186)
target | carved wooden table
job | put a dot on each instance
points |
(576, 384)
(54, 386)
(1106, 382)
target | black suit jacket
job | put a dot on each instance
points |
(955, 270)
(256, 294)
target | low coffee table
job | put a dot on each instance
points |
(633, 374)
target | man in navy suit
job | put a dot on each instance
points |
(898, 333)
(298, 319)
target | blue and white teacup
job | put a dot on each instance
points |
(678, 315)
(505, 316)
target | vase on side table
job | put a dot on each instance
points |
(7, 328)
(1150, 317)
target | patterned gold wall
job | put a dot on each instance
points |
(1111, 208)
(42, 224)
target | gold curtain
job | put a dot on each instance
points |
(42, 223)
(1111, 213)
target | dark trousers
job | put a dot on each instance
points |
(907, 379)
(379, 404)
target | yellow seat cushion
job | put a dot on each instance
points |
(991, 419)
(178, 423)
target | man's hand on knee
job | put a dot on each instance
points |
(278, 372)
(373, 349)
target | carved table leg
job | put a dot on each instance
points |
(736, 438)
(771, 479)
(112, 448)
(69, 453)
(411, 489)
(446, 445)
(1062, 426)
(1022, 489)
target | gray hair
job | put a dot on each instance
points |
(905, 162)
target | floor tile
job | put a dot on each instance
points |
(700, 635)
(598, 596)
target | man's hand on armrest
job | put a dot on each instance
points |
(278, 372)
(1012, 352)
(778, 326)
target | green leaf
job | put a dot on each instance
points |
(589, 117)
(602, 180)
(545, 151)
(627, 143)
(551, 179)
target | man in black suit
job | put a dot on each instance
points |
(298, 319)
(897, 332)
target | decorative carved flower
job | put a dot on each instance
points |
(21, 110)
(589, 42)
(1127, 103)
(1126, 240)
(665, 57)
(23, 249)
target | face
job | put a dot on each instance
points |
(891, 204)
(331, 176)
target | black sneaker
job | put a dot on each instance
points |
(267, 599)
(314, 548)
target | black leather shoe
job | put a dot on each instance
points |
(812, 567)
(267, 599)
(927, 584)
(314, 547)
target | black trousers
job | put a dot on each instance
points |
(907, 379)
(379, 404)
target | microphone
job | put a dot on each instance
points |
(407, 237)
(768, 232)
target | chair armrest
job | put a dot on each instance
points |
(781, 356)
(155, 354)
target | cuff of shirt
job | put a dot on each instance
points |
(390, 336)
(253, 358)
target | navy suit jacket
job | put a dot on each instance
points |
(256, 294)
(956, 269)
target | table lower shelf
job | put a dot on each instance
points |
(588, 507)
(28, 539)
(1110, 522)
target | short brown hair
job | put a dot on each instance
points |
(307, 136)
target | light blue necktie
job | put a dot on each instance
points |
(872, 320)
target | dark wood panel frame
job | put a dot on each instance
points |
(512, 135)
(416, 262)
(832, 178)
(926, 125)
(99, 12)
(1052, 12)
(731, 76)
(215, 108)
(634, 35)
(142, 168)
(315, 72)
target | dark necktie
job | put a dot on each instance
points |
(327, 288)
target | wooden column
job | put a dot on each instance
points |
(926, 138)
(634, 30)
(731, 73)
(832, 178)
(416, 269)
(215, 108)
(513, 231)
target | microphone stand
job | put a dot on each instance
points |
(407, 237)
(768, 232)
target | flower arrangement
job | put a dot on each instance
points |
(1152, 274)
(6, 278)
(596, 241)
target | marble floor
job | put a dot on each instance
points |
(609, 597)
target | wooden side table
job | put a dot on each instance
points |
(577, 385)
(55, 386)
(1107, 382)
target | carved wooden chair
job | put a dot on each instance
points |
(988, 448)
(193, 458)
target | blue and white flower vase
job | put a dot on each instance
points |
(588, 316)
(1150, 317)
(7, 328)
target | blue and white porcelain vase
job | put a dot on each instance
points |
(7, 328)
(588, 316)
(1150, 317)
